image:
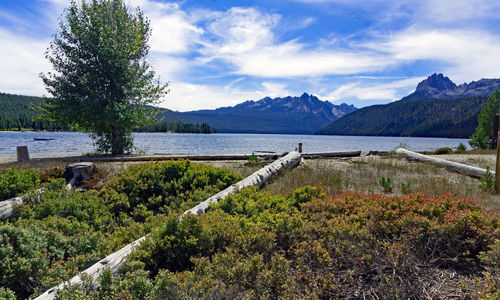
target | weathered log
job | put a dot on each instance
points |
(450, 165)
(331, 154)
(114, 260)
(7, 207)
(258, 178)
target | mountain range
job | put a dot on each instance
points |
(437, 108)
(438, 86)
(289, 115)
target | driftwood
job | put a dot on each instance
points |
(7, 207)
(115, 260)
(453, 166)
(258, 178)
(331, 154)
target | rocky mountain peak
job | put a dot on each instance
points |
(436, 83)
(438, 86)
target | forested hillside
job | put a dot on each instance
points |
(452, 118)
(19, 113)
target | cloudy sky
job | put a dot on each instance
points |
(218, 53)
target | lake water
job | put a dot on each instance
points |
(73, 143)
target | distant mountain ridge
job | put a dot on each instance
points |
(437, 108)
(288, 115)
(438, 86)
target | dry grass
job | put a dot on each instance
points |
(364, 173)
(359, 174)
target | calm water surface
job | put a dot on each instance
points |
(73, 143)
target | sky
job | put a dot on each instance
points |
(221, 53)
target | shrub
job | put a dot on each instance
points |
(253, 160)
(487, 181)
(14, 182)
(385, 183)
(405, 187)
(308, 245)
(53, 236)
(461, 148)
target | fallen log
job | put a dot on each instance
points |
(331, 154)
(450, 165)
(258, 178)
(115, 260)
(7, 207)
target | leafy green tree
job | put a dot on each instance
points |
(102, 82)
(481, 137)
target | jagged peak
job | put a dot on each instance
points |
(436, 81)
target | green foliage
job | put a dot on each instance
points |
(102, 80)
(487, 181)
(405, 187)
(255, 245)
(53, 236)
(461, 147)
(14, 182)
(7, 294)
(453, 118)
(385, 183)
(253, 160)
(482, 136)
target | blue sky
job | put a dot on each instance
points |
(219, 53)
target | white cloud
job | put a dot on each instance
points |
(245, 39)
(363, 90)
(22, 59)
(172, 30)
(186, 96)
(469, 55)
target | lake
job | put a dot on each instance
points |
(73, 143)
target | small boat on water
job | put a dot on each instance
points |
(42, 139)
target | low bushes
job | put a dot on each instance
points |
(308, 245)
(15, 182)
(52, 237)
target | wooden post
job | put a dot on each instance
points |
(300, 147)
(22, 154)
(497, 169)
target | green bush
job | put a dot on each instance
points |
(385, 183)
(487, 181)
(461, 148)
(309, 245)
(53, 236)
(15, 182)
(405, 187)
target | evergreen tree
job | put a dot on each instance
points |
(482, 138)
